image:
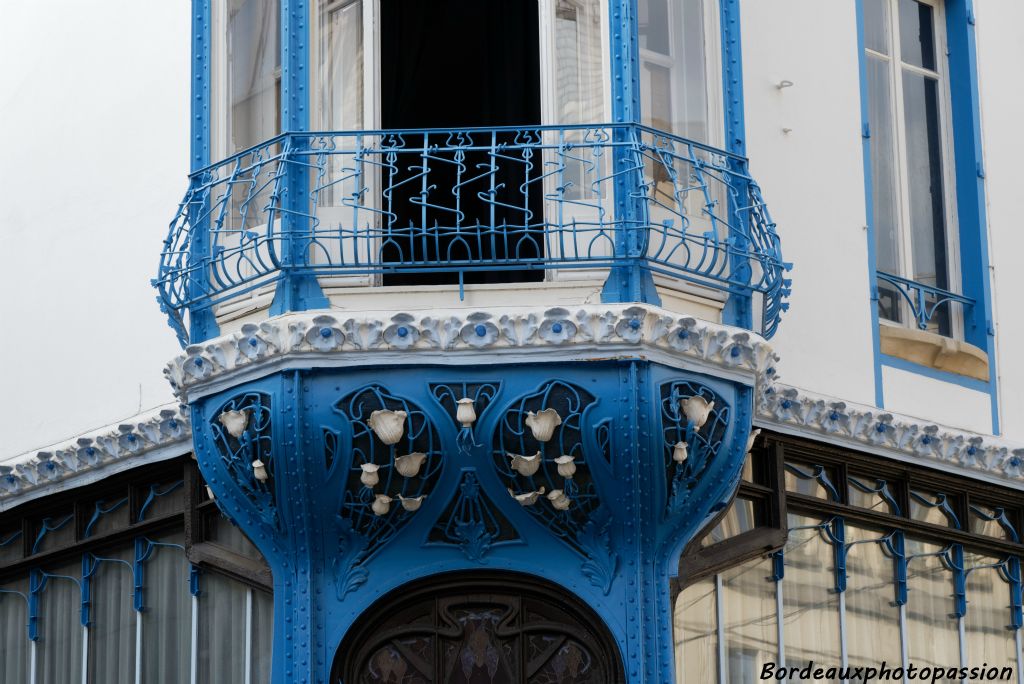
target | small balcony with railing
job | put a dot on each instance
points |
(648, 209)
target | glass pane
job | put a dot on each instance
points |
(579, 83)
(162, 498)
(14, 643)
(810, 480)
(876, 25)
(989, 639)
(262, 635)
(54, 532)
(112, 631)
(107, 515)
(748, 596)
(932, 634)
(884, 189)
(654, 26)
(341, 65)
(867, 492)
(222, 626)
(167, 619)
(695, 629)
(11, 543)
(252, 92)
(917, 34)
(991, 522)
(932, 507)
(810, 602)
(59, 649)
(872, 617)
(657, 100)
(924, 177)
(223, 532)
(742, 517)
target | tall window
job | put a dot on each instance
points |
(246, 74)
(341, 65)
(679, 68)
(908, 108)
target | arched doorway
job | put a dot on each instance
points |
(478, 628)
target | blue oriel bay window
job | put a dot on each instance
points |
(432, 169)
(923, 163)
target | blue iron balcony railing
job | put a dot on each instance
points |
(304, 211)
(930, 307)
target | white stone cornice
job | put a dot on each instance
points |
(903, 438)
(154, 435)
(496, 336)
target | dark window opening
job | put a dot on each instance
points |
(451, 64)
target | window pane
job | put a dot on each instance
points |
(991, 522)
(695, 628)
(167, 619)
(934, 508)
(742, 517)
(112, 630)
(579, 82)
(810, 480)
(252, 93)
(932, 635)
(872, 617)
(876, 25)
(748, 595)
(989, 640)
(868, 492)
(13, 632)
(674, 79)
(654, 25)
(884, 189)
(924, 177)
(341, 65)
(59, 649)
(917, 34)
(222, 625)
(810, 602)
(262, 635)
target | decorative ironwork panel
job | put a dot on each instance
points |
(241, 432)
(472, 521)
(543, 452)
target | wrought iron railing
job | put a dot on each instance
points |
(476, 205)
(931, 308)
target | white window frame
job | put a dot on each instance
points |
(895, 68)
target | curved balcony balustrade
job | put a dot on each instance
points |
(306, 211)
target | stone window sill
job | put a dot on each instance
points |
(934, 351)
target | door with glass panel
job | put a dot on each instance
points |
(908, 115)
(418, 201)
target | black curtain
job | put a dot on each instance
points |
(451, 64)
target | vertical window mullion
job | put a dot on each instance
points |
(248, 636)
(720, 628)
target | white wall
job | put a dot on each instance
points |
(94, 111)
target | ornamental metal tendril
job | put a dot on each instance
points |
(246, 446)
(691, 441)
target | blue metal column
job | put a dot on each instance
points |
(297, 290)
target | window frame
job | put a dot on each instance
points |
(895, 69)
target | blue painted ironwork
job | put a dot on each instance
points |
(50, 525)
(100, 509)
(10, 539)
(702, 442)
(472, 522)
(90, 565)
(253, 446)
(941, 502)
(695, 213)
(819, 474)
(881, 488)
(154, 493)
(24, 597)
(999, 516)
(144, 548)
(925, 301)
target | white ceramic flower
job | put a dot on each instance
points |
(466, 412)
(750, 439)
(525, 465)
(409, 465)
(680, 452)
(559, 501)
(381, 504)
(234, 422)
(566, 465)
(369, 477)
(528, 498)
(412, 503)
(259, 470)
(388, 425)
(543, 423)
(697, 409)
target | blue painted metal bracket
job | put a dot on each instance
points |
(99, 511)
(154, 493)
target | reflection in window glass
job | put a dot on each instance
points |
(867, 492)
(872, 617)
(222, 623)
(810, 480)
(748, 596)
(932, 632)
(674, 68)
(59, 649)
(989, 639)
(991, 522)
(917, 34)
(742, 517)
(876, 25)
(112, 631)
(341, 65)
(695, 629)
(167, 618)
(810, 603)
(248, 82)
(932, 507)
(579, 81)
(13, 635)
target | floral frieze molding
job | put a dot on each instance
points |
(164, 431)
(605, 330)
(867, 428)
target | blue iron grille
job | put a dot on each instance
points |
(377, 207)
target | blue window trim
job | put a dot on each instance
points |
(970, 198)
